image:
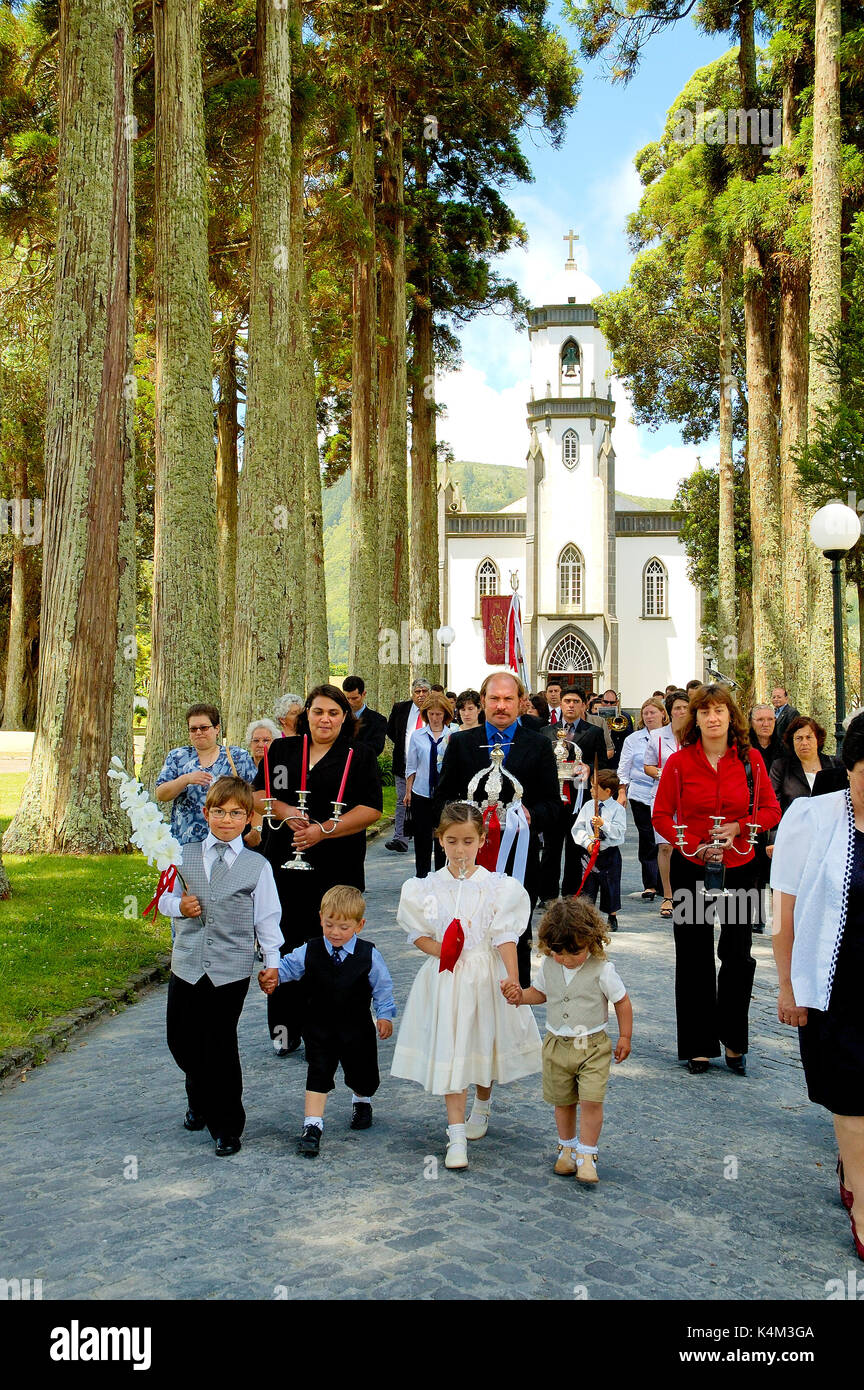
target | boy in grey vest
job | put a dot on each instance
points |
(230, 899)
(577, 984)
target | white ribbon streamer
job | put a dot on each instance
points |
(516, 829)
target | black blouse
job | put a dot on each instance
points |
(363, 788)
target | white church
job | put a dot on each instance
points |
(602, 579)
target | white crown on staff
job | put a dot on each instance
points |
(494, 773)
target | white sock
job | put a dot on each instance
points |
(587, 1149)
(360, 1100)
(481, 1107)
(569, 1143)
(316, 1120)
(456, 1132)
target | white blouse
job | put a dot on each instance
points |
(813, 863)
(492, 907)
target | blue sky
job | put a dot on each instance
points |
(588, 184)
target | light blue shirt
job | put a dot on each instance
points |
(293, 967)
(418, 756)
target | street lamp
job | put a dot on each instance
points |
(445, 637)
(835, 529)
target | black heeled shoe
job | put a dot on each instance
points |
(737, 1064)
(697, 1066)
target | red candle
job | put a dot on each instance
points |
(678, 811)
(755, 816)
(345, 774)
(304, 762)
(266, 776)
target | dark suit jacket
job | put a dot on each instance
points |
(372, 730)
(531, 762)
(789, 781)
(396, 726)
(589, 738)
(784, 718)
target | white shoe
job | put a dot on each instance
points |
(457, 1153)
(477, 1124)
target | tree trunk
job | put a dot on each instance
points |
(4, 881)
(393, 593)
(824, 316)
(726, 623)
(317, 646)
(16, 645)
(859, 591)
(87, 665)
(185, 660)
(425, 616)
(363, 649)
(269, 629)
(226, 510)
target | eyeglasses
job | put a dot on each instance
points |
(218, 812)
(200, 728)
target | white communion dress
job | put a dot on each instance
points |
(458, 1028)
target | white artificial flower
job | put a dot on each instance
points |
(150, 833)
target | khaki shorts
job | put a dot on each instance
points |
(576, 1069)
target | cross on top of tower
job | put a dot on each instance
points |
(570, 237)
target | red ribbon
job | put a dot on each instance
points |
(592, 860)
(451, 945)
(488, 856)
(167, 879)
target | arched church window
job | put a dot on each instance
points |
(570, 448)
(571, 363)
(570, 571)
(570, 655)
(487, 579)
(655, 582)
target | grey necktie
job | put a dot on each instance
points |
(220, 868)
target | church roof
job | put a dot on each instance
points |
(571, 283)
(624, 502)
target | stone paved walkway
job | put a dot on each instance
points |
(104, 1195)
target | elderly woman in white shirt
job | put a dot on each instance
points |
(640, 787)
(817, 874)
(422, 766)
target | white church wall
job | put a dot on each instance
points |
(546, 347)
(466, 665)
(653, 652)
(571, 509)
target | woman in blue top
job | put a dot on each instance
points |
(188, 772)
(425, 755)
(640, 787)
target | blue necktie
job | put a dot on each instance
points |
(337, 955)
(433, 763)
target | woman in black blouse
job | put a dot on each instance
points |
(336, 854)
(794, 773)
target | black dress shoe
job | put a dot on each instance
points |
(697, 1066)
(648, 896)
(737, 1064)
(399, 846)
(309, 1141)
(192, 1120)
(613, 922)
(291, 1045)
(227, 1145)
(361, 1115)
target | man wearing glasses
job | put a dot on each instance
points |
(188, 772)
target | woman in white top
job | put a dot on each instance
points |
(639, 787)
(668, 742)
(817, 873)
(422, 766)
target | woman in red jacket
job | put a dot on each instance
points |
(708, 777)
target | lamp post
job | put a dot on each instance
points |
(835, 528)
(445, 637)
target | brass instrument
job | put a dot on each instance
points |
(619, 721)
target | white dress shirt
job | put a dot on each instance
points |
(266, 908)
(415, 721)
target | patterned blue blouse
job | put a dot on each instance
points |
(187, 819)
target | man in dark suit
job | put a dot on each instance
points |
(784, 713)
(556, 836)
(403, 722)
(528, 757)
(371, 726)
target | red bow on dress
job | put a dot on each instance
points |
(451, 946)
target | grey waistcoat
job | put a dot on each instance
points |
(579, 1004)
(221, 942)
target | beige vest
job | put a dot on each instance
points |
(581, 1004)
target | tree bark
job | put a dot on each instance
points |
(726, 622)
(393, 593)
(824, 316)
(226, 509)
(317, 645)
(16, 644)
(87, 666)
(363, 649)
(425, 617)
(269, 628)
(185, 632)
(4, 881)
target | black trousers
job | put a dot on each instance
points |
(356, 1052)
(202, 1037)
(711, 1006)
(647, 846)
(605, 879)
(425, 844)
(557, 837)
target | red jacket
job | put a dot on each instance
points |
(691, 792)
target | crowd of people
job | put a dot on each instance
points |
(721, 805)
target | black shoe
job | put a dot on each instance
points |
(227, 1146)
(399, 846)
(361, 1115)
(649, 895)
(290, 1046)
(613, 922)
(737, 1064)
(698, 1066)
(309, 1141)
(191, 1120)
(759, 929)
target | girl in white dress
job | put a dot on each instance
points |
(457, 1027)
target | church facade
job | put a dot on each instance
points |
(602, 579)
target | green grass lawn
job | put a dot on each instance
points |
(72, 929)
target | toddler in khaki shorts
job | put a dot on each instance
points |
(577, 984)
